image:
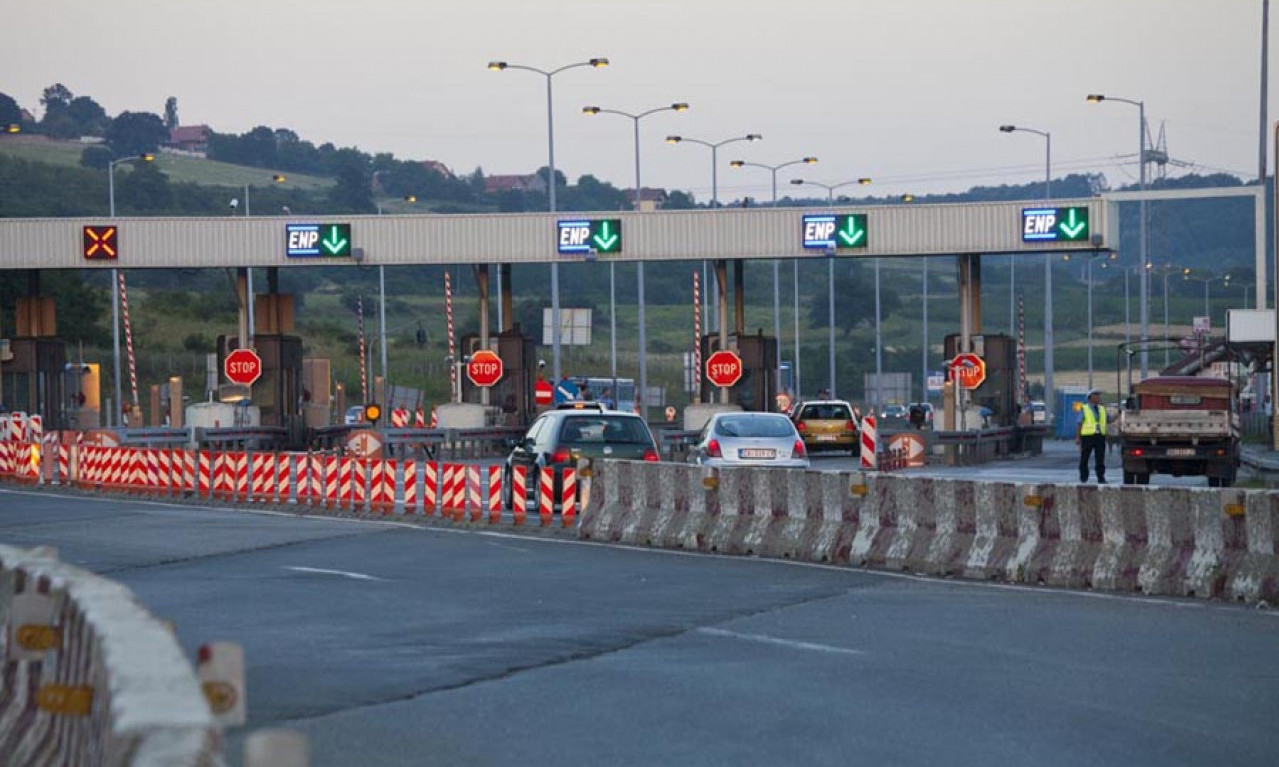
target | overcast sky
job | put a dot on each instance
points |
(909, 92)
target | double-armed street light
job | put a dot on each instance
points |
(635, 117)
(777, 312)
(830, 293)
(549, 74)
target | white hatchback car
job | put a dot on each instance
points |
(750, 439)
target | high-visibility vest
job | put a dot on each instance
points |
(1091, 424)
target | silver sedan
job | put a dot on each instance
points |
(750, 439)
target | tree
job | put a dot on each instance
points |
(55, 96)
(98, 157)
(171, 112)
(135, 132)
(89, 116)
(677, 200)
(10, 112)
(145, 190)
(353, 192)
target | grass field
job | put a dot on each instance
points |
(179, 168)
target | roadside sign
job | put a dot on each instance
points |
(542, 392)
(584, 236)
(936, 381)
(484, 368)
(724, 368)
(1054, 224)
(968, 370)
(838, 231)
(1203, 325)
(317, 240)
(242, 366)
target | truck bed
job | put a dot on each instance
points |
(1178, 424)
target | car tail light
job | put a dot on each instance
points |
(712, 449)
(850, 426)
(561, 455)
(651, 455)
(798, 450)
(801, 426)
(1137, 451)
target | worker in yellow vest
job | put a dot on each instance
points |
(1090, 435)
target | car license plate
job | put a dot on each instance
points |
(827, 437)
(1181, 452)
(756, 452)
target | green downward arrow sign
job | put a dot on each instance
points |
(605, 240)
(1072, 227)
(334, 242)
(851, 233)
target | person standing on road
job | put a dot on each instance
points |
(1090, 435)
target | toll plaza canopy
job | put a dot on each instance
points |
(871, 231)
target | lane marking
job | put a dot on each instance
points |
(791, 643)
(342, 573)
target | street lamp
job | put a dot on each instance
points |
(777, 307)
(830, 293)
(500, 66)
(381, 306)
(1048, 262)
(1127, 315)
(1097, 98)
(12, 128)
(115, 278)
(678, 106)
(1088, 271)
(1224, 279)
(1165, 270)
(714, 147)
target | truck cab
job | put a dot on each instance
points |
(1183, 426)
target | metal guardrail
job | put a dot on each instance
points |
(244, 437)
(150, 437)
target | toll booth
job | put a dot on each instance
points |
(513, 395)
(32, 381)
(278, 393)
(757, 389)
(999, 392)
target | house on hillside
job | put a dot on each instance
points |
(650, 198)
(189, 138)
(530, 183)
(439, 168)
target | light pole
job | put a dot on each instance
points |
(115, 283)
(1225, 279)
(499, 66)
(248, 272)
(1088, 273)
(381, 312)
(830, 293)
(777, 305)
(1165, 270)
(1048, 262)
(635, 118)
(714, 147)
(1127, 316)
(1144, 287)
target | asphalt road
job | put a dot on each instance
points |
(390, 644)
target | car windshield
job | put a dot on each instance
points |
(834, 412)
(753, 426)
(604, 429)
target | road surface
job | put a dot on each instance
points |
(391, 644)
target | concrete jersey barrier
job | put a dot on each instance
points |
(113, 689)
(1194, 542)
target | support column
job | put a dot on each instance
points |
(482, 281)
(721, 283)
(242, 298)
(504, 287)
(739, 298)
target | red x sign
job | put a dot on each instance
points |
(100, 242)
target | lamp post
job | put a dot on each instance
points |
(381, 311)
(1048, 262)
(499, 66)
(830, 293)
(777, 306)
(1144, 287)
(1088, 277)
(1127, 316)
(714, 147)
(635, 118)
(248, 272)
(1225, 279)
(115, 282)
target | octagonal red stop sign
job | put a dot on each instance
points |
(242, 366)
(485, 368)
(724, 368)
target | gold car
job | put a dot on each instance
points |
(827, 425)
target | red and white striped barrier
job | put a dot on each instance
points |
(430, 488)
(495, 495)
(546, 498)
(568, 498)
(345, 491)
(204, 485)
(474, 502)
(519, 494)
(410, 487)
(870, 444)
(332, 481)
(240, 473)
(382, 492)
(359, 483)
(399, 418)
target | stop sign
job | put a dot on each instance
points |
(724, 368)
(485, 368)
(968, 370)
(242, 366)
